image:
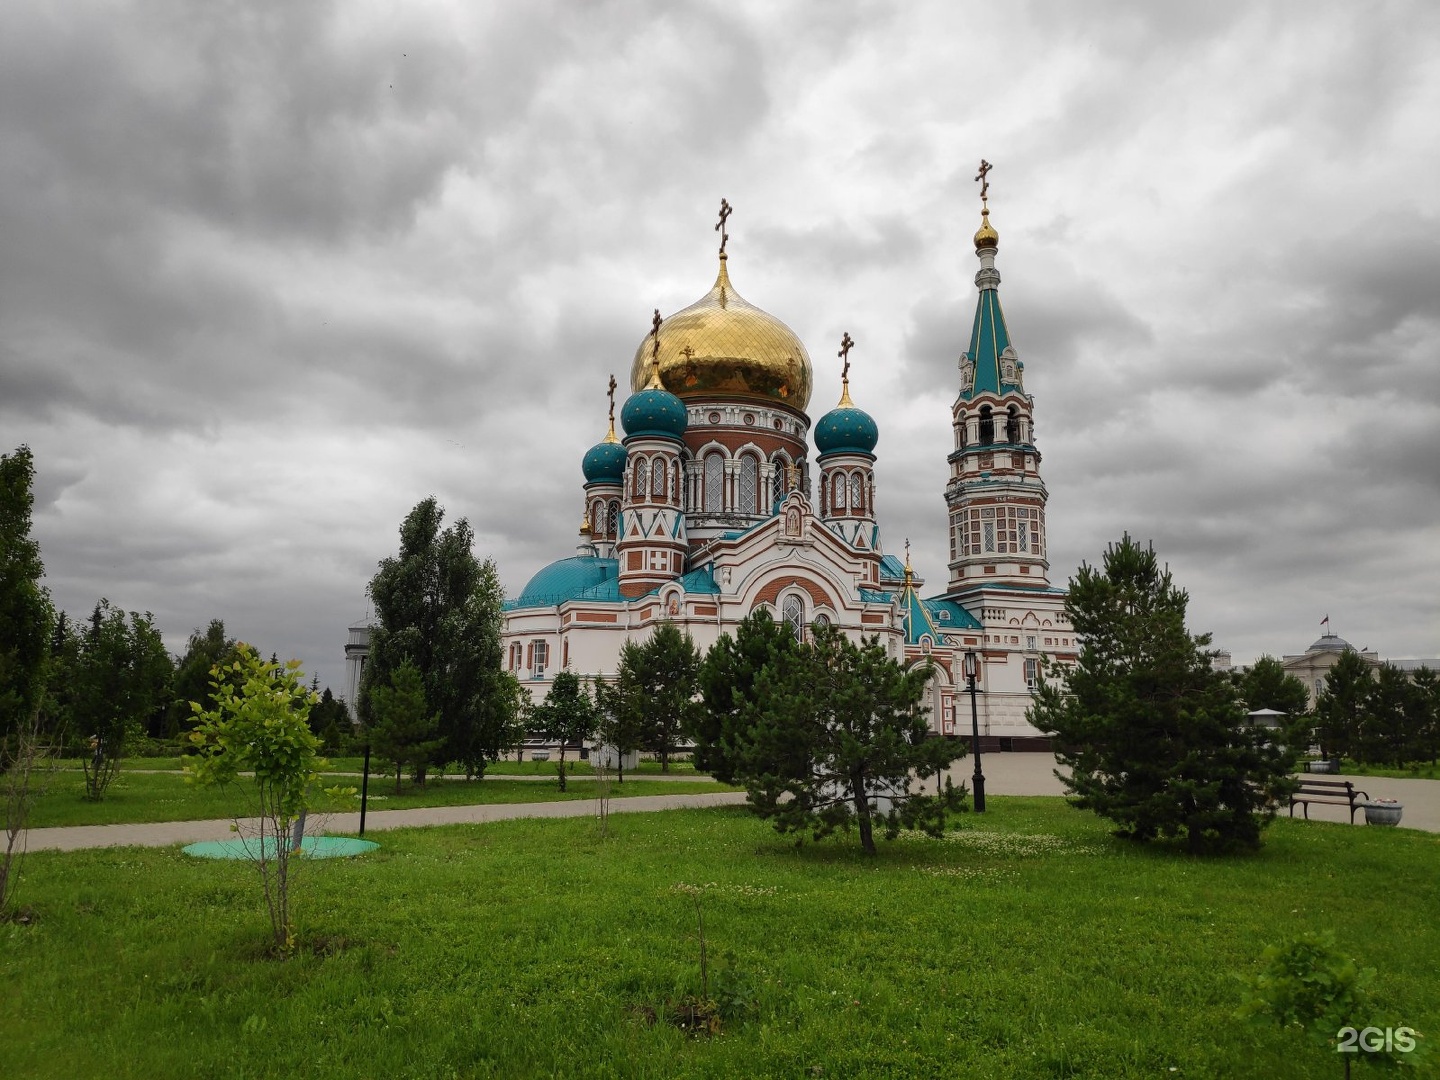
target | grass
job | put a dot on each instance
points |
(167, 796)
(1030, 945)
(344, 764)
(1414, 771)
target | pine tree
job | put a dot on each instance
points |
(403, 730)
(1343, 708)
(1427, 684)
(727, 683)
(1156, 739)
(1267, 685)
(566, 715)
(834, 734)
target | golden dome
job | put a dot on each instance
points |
(724, 345)
(986, 237)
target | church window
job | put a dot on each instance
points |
(989, 536)
(1022, 530)
(658, 483)
(961, 428)
(839, 491)
(779, 486)
(1012, 427)
(987, 426)
(642, 473)
(1032, 673)
(794, 611)
(540, 658)
(857, 492)
(714, 483)
(612, 520)
(749, 484)
(597, 517)
(822, 619)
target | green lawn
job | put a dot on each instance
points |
(1029, 945)
(339, 763)
(135, 796)
(1414, 771)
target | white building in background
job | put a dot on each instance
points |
(713, 505)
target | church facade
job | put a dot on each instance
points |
(712, 504)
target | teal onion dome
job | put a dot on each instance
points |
(846, 429)
(654, 412)
(604, 463)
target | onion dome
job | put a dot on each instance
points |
(723, 345)
(604, 463)
(846, 429)
(654, 410)
(986, 237)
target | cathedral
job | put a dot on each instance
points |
(712, 505)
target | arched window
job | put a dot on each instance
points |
(749, 484)
(642, 473)
(857, 492)
(1012, 427)
(964, 429)
(612, 519)
(838, 491)
(658, 484)
(597, 517)
(794, 613)
(987, 426)
(778, 483)
(714, 483)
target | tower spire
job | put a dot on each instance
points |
(846, 344)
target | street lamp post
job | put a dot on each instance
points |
(972, 675)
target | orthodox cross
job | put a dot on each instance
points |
(655, 350)
(611, 395)
(792, 477)
(907, 552)
(845, 346)
(984, 177)
(725, 210)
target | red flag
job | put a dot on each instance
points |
(1325, 621)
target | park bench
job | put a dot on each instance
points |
(1334, 792)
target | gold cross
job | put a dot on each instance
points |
(845, 346)
(792, 477)
(983, 177)
(720, 225)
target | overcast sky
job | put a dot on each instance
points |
(272, 274)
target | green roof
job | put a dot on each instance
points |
(700, 581)
(567, 579)
(989, 338)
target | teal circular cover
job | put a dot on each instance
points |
(654, 412)
(604, 463)
(846, 430)
(565, 579)
(313, 847)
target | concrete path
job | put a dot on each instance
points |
(165, 833)
(1034, 774)
(1005, 774)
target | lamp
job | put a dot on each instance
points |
(972, 676)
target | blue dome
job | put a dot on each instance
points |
(604, 463)
(564, 580)
(654, 412)
(846, 430)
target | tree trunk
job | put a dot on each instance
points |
(562, 766)
(862, 814)
(397, 778)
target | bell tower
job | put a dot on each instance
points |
(995, 496)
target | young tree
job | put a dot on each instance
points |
(439, 607)
(260, 727)
(1394, 728)
(26, 622)
(121, 682)
(654, 691)
(1155, 738)
(834, 734)
(727, 684)
(566, 715)
(1343, 707)
(403, 733)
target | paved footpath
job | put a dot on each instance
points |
(1005, 774)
